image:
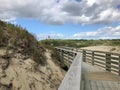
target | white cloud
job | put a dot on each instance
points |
(103, 33)
(91, 2)
(50, 35)
(62, 11)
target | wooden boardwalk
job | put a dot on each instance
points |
(95, 78)
(94, 70)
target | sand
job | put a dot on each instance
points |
(115, 49)
(25, 75)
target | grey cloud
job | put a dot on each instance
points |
(72, 8)
(62, 11)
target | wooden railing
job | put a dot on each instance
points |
(72, 81)
(66, 55)
(107, 60)
(72, 59)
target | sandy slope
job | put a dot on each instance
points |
(104, 48)
(24, 75)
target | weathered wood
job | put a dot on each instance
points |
(99, 55)
(108, 62)
(97, 79)
(115, 58)
(99, 58)
(72, 80)
(66, 56)
(100, 65)
(99, 62)
(68, 50)
(84, 56)
(119, 66)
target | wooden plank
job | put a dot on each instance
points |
(89, 53)
(68, 50)
(84, 55)
(99, 55)
(119, 66)
(103, 63)
(72, 80)
(90, 56)
(112, 66)
(101, 59)
(88, 60)
(113, 62)
(114, 58)
(102, 66)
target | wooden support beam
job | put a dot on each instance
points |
(92, 57)
(108, 62)
(84, 56)
(119, 66)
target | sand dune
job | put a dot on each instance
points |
(18, 74)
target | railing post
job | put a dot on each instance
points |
(68, 59)
(84, 56)
(72, 49)
(64, 56)
(74, 54)
(92, 57)
(61, 55)
(108, 62)
(119, 65)
(76, 49)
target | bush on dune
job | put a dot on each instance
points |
(16, 37)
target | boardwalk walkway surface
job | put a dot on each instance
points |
(95, 78)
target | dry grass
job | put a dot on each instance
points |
(20, 40)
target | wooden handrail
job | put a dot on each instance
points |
(72, 80)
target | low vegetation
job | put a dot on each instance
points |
(14, 37)
(81, 42)
(54, 53)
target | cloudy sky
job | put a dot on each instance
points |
(66, 19)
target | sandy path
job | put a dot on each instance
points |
(56, 70)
